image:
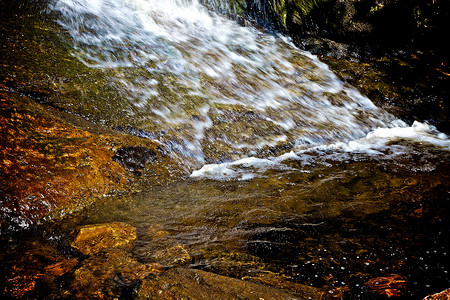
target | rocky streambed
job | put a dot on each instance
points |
(98, 205)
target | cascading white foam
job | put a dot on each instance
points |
(376, 143)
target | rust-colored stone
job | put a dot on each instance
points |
(50, 168)
(157, 232)
(282, 282)
(22, 278)
(62, 267)
(139, 272)
(93, 277)
(391, 286)
(38, 265)
(444, 295)
(92, 239)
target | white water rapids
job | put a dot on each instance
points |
(216, 91)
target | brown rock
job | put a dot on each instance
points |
(281, 282)
(182, 283)
(22, 277)
(37, 266)
(444, 295)
(157, 232)
(95, 238)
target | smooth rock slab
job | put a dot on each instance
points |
(180, 283)
(95, 238)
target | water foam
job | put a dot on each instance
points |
(376, 144)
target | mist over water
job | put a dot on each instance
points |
(196, 80)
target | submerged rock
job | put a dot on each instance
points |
(92, 239)
(391, 286)
(54, 160)
(182, 283)
(49, 168)
(392, 51)
(134, 158)
(177, 255)
(61, 267)
(106, 275)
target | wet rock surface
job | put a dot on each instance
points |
(392, 51)
(37, 267)
(391, 286)
(416, 23)
(95, 238)
(444, 295)
(54, 160)
(111, 274)
(410, 84)
(196, 284)
(134, 159)
(51, 168)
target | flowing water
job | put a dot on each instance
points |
(294, 172)
(196, 80)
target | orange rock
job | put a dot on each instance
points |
(444, 295)
(61, 267)
(22, 278)
(50, 168)
(391, 286)
(92, 239)
(177, 255)
(139, 272)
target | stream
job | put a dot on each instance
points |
(297, 180)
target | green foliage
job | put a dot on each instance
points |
(288, 12)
